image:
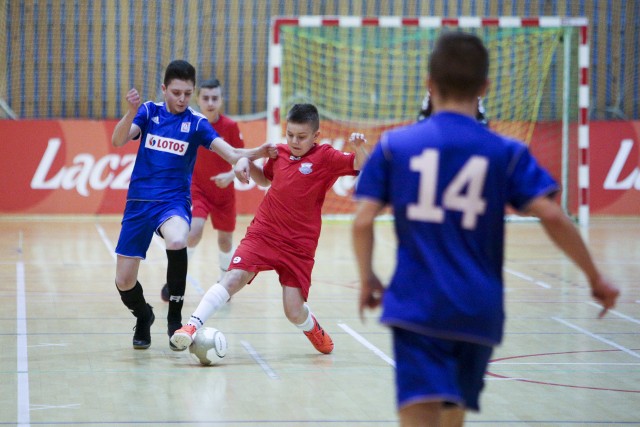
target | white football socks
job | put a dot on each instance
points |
(215, 298)
(307, 325)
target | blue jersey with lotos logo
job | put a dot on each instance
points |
(167, 152)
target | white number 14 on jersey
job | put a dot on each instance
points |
(462, 194)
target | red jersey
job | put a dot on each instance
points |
(210, 164)
(290, 212)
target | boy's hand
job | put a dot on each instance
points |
(268, 149)
(222, 180)
(133, 99)
(605, 293)
(242, 169)
(357, 139)
(271, 149)
(371, 291)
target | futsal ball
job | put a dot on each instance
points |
(209, 346)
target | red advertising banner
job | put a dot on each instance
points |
(70, 167)
(615, 168)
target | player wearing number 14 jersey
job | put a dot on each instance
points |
(448, 190)
(448, 180)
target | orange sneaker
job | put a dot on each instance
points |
(183, 337)
(319, 338)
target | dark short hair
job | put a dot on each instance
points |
(304, 113)
(179, 69)
(459, 65)
(209, 84)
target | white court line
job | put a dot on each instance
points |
(527, 278)
(24, 418)
(367, 344)
(43, 407)
(616, 312)
(264, 365)
(597, 337)
(47, 344)
(106, 241)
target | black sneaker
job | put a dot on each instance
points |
(164, 293)
(171, 328)
(142, 334)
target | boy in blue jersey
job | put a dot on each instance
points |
(159, 196)
(448, 180)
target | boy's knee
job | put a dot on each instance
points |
(175, 244)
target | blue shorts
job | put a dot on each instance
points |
(436, 370)
(142, 219)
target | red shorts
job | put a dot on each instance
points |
(219, 203)
(256, 254)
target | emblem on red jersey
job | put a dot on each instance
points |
(306, 168)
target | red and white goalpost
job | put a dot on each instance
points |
(367, 73)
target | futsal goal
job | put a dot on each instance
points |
(368, 74)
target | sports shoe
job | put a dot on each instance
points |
(164, 293)
(142, 334)
(172, 327)
(183, 337)
(319, 338)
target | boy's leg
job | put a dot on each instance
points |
(132, 296)
(193, 238)
(225, 251)
(298, 313)
(174, 231)
(427, 414)
(195, 234)
(216, 297)
(176, 283)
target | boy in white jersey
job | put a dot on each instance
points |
(448, 180)
(159, 200)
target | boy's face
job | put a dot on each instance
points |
(301, 137)
(177, 95)
(210, 102)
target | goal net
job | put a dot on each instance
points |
(368, 75)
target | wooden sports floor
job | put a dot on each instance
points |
(67, 358)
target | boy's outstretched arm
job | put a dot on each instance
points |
(567, 237)
(232, 154)
(358, 141)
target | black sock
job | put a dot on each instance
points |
(134, 300)
(176, 282)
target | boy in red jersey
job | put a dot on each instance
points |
(284, 234)
(212, 190)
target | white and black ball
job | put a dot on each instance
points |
(209, 346)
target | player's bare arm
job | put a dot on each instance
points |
(125, 130)
(359, 142)
(245, 168)
(222, 180)
(371, 289)
(232, 154)
(566, 236)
